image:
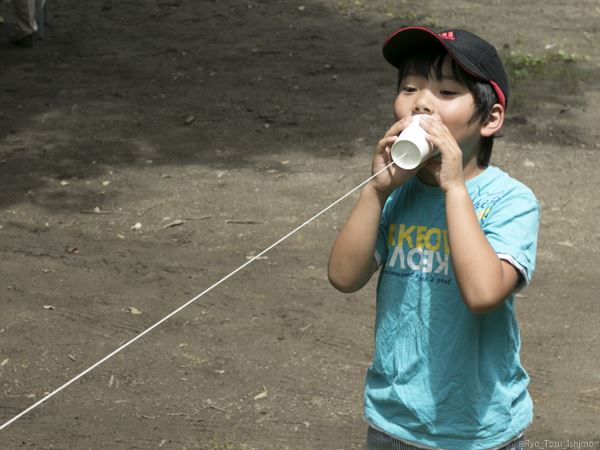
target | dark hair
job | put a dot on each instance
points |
(430, 61)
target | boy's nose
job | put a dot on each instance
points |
(422, 108)
(423, 104)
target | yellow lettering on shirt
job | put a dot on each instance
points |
(391, 231)
(446, 243)
(420, 240)
(482, 213)
(438, 239)
(404, 234)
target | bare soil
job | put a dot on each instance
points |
(218, 127)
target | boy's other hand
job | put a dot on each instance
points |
(449, 172)
(394, 176)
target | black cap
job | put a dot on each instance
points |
(474, 55)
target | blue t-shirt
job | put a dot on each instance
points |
(442, 376)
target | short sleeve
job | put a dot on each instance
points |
(511, 227)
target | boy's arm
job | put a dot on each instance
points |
(485, 280)
(352, 261)
(352, 258)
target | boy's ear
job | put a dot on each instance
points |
(494, 122)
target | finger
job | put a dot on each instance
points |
(435, 128)
(437, 133)
(448, 148)
(432, 130)
(386, 142)
(397, 127)
(430, 123)
(442, 140)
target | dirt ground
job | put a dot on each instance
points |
(149, 147)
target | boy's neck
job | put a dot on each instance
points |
(470, 170)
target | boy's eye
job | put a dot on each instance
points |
(408, 89)
(446, 93)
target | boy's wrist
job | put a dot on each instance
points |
(457, 191)
(380, 196)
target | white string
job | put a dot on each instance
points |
(189, 302)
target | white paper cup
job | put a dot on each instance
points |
(411, 148)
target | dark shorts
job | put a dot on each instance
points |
(376, 440)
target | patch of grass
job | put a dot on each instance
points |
(350, 7)
(520, 65)
(552, 76)
(431, 22)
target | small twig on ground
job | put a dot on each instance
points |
(186, 415)
(211, 405)
(242, 222)
(587, 391)
(143, 416)
(217, 408)
(151, 207)
(198, 218)
(188, 216)
(96, 211)
(262, 394)
(175, 223)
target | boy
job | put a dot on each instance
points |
(453, 239)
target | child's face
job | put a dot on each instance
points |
(447, 100)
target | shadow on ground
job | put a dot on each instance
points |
(225, 84)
